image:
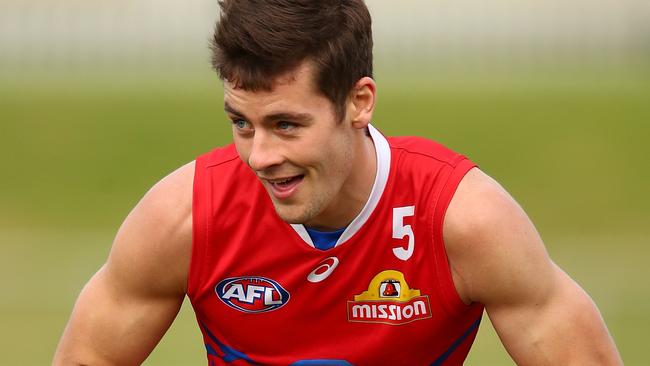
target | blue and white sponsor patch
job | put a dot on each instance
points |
(251, 294)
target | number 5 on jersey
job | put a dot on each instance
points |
(400, 231)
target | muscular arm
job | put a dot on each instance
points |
(497, 258)
(130, 302)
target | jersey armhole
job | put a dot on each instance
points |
(200, 224)
(452, 300)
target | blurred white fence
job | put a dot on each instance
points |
(173, 34)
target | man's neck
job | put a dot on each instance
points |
(355, 191)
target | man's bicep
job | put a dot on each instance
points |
(564, 328)
(109, 327)
(128, 305)
(493, 248)
(541, 315)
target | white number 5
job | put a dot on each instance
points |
(400, 231)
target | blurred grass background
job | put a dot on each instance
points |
(87, 125)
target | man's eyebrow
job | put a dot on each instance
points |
(288, 116)
(229, 109)
(279, 116)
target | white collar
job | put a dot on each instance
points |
(382, 151)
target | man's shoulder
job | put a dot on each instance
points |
(155, 239)
(174, 189)
(478, 201)
(218, 156)
(169, 202)
(416, 146)
(487, 235)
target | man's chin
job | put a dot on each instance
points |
(292, 219)
(291, 215)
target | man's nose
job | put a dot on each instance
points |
(264, 152)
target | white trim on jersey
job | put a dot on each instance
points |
(382, 151)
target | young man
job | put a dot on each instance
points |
(315, 240)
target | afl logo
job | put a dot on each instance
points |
(252, 294)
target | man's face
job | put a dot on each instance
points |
(292, 140)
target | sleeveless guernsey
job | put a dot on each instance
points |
(383, 295)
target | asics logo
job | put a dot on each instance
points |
(326, 267)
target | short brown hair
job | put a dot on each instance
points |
(257, 40)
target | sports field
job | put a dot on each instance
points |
(76, 155)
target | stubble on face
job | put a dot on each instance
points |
(322, 189)
(322, 151)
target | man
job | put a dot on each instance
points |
(314, 240)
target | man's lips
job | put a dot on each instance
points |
(284, 187)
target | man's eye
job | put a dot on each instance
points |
(283, 125)
(240, 124)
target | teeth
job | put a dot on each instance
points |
(281, 181)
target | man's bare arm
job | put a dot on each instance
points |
(497, 258)
(127, 306)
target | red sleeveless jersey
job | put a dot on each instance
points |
(384, 295)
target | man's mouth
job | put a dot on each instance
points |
(285, 187)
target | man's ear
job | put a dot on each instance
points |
(362, 102)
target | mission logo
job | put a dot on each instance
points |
(252, 294)
(389, 300)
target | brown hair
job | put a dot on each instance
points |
(257, 40)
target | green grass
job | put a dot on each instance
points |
(76, 156)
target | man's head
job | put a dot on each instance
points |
(258, 40)
(298, 90)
